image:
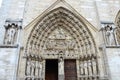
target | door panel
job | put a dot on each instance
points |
(70, 70)
(51, 70)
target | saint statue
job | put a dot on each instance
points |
(33, 65)
(11, 34)
(40, 69)
(28, 68)
(61, 65)
(109, 35)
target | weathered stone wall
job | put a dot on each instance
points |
(10, 9)
(3, 12)
(113, 59)
(8, 63)
(93, 10)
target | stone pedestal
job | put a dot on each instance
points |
(61, 77)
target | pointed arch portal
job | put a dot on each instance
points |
(63, 36)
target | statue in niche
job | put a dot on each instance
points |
(11, 34)
(33, 65)
(81, 68)
(94, 66)
(89, 67)
(12, 28)
(36, 68)
(28, 68)
(40, 69)
(109, 35)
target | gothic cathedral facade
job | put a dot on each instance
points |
(60, 40)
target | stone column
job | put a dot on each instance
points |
(43, 68)
(61, 69)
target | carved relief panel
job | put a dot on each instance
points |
(59, 40)
(34, 68)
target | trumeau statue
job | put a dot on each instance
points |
(61, 65)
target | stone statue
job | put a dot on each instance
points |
(28, 68)
(40, 69)
(61, 65)
(109, 35)
(11, 34)
(81, 68)
(94, 66)
(36, 69)
(33, 65)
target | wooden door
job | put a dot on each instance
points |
(70, 70)
(51, 70)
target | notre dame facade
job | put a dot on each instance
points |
(60, 40)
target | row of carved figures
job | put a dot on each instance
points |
(60, 44)
(34, 69)
(88, 69)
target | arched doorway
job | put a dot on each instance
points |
(61, 35)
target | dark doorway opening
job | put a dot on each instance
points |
(70, 70)
(51, 72)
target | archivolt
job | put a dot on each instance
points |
(68, 21)
(118, 27)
